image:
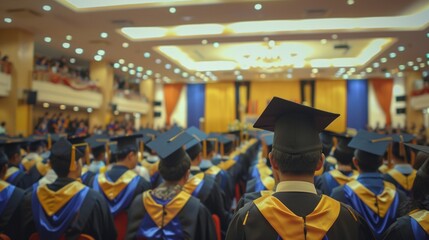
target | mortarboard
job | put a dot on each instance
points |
(53, 138)
(423, 171)
(398, 148)
(169, 145)
(35, 141)
(326, 137)
(342, 150)
(96, 142)
(63, 150)
(225, 143)
(194, 147)
(296, 127)
(3, 158)
(127, 143)
(12, 145)
(370, 142)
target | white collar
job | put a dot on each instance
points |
(296, 186)
(195, 168)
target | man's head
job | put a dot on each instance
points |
(194, 148)
(13, 151)
(367, 162)
(297, 149)
(3, 165)
(66, 160)
(126, 150)
(343, 153)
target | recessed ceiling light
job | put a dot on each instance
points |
(46, 8)
(427, 55)
(98, 58)
(204, 41)
(66, 45)
(146, 54)
(124, 68)
(47, 39)
(402, 67)
(46, 105)
(383, 60)
(376, 65)
(271, 43)
(345, 76)
(368, 70)
(145, 77)
(139, 69)
(415, 68)
(132, 72)
(125, 44)
(422, 65)
(185, 74)
(427, 34)
(75, 108)
(78, 50)
(239, 77)
(158, 61)
(157, 75)
(392, 55)
(192, 78)
(121, 61)
(216, 44)
(401, 48)
(89, 110)
(177, 71)
(130, 65)
(72, 60)
(350, 2)
(410, 63)
(334, 36)
(172, 10)
(116, 65)
(7, 20)
(236, 72)
(419, 59)
(63, 107)
(400, 74)
(324, 41)
(314, 70)
(139, 74)
(258, 6)
(388, 75)
(101, 52)
(104, 35)
(69, 37)
(149, 72)
(352, 70)
(167, 66)
(289, 75)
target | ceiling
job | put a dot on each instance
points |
(217, 40)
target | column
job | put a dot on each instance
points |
(102, 73)
(19, 46)
(147, 89)
(413, 116)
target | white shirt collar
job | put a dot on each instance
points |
(296, 186)
(195, 168)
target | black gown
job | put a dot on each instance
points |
(182, 217)
(224, 180)
(10, 202)
(18, 178)
(204, 187)
(311, 216)
(93, 217)
(408, 228)
(401, 181)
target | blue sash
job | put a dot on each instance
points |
(52, 227)
(13, 176)
(5, 195)
(123, 200)
(418, 232)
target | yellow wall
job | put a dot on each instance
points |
(19, 46)
(147, 88)
(331, 96)
(219, 106)
(413, 116)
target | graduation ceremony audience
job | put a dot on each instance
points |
(271, 182)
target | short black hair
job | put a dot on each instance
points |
(60, 167)
(396, 151)
(368, 162)
(301, 163)
(10, 151)
(174, 170)
(344, 157)
(97, 151)
(122, 154)
(194, 151)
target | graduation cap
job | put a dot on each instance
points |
(11, 146)
(35, 142)
(169, 146)
(126, 144)
(225, 144)
(53, 138)
(398, 148)
(149, 132)
(370, 142)
(97, 142)
(65, 151)
(194, 147)
(343, 152)
(423, 171)
(3, 159)
(296, 127)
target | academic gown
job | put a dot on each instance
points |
(332, 179)
(204, 187)
(182, 217)
(10, 203)
(378, 201)
(155, 177)
(18, 178)
(224, 180)
(37, 171)
(400, 180)
(414, 226)
(83, 212)
(249, 197)
(306, 216)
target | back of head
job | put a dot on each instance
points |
(368, 162)
(420, 188)
(174, 169)
(400, 152)
(62, 156)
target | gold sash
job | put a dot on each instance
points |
(384, 199)
(112, 189)
(171, 209)
(317, 223)
(151, 167)
(213, 170)
(406, 182)
(341, 178)
(422, 217)
(225, 165)
(3, 185)
(29, 163)
(53, 201)
(10, 172)
(42, 168)
(193, 183)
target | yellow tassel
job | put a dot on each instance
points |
(141, 149)
(245, 218)
(108, 154)
(73, 166)
(204, 149)
(87, 153)
(49, 141)
(221, 149)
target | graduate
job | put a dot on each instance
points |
(344, 172)
(35, 148)
(415, 225)
(228, 163)
(201, 185)
(169, 212)
(66, 207)
(402, 175)
(14, 175)
(79, 142)
(120, 185)
(328, 148)
(295, 210)
(97, 144)
(10, 200)
(379, 202)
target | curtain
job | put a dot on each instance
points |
(179, 115)
(383, 91)
(219, 106)
(331, 96)
(196, 100)
(357, 104)
(171, 97)
(262, 92)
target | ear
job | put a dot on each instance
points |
(320, 162)
(186, 177)
(356, 163)
(274, 164)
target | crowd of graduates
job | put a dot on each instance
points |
(287, 179)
